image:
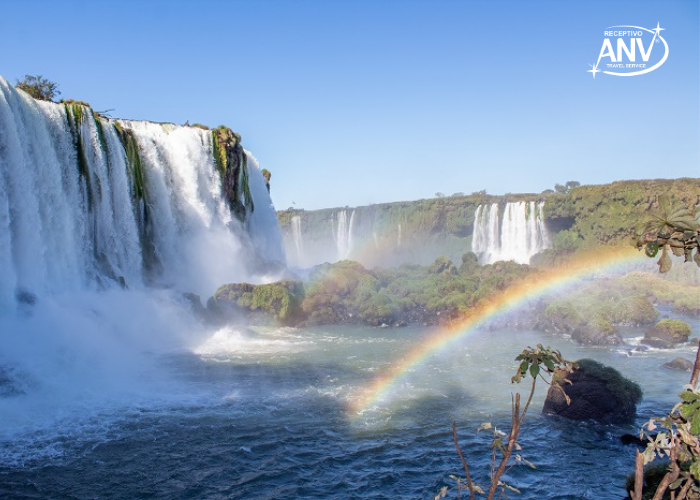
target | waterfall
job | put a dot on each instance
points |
(88, 202)
(298, 242)
(517, 235)
(342, 233)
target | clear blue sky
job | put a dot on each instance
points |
(351, 103)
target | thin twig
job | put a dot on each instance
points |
(470, 485)
(696, 369)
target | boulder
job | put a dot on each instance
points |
(597, 392)
(667, 333)
(596, 334)
(259, 304)
(681, 364)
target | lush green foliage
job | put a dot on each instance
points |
(606, 214)
(38, 87)
(346, 292)
(600, 304)
(280, 300)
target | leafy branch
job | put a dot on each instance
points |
(678, 440)
(673, 229)
(534, 363)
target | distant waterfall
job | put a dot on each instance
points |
(88, 202)
(343, 233)
(296, 234)
(518, 234)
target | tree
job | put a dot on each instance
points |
(572, 184)
(38, 87)
(559, 188)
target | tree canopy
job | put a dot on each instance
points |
(39, 87)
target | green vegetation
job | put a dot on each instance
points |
(346, 292)
(582, 218)
(133, 157)
(38, 87)
(599, 305)
(672, 229)
(281, 300)
(232, 165)
(606, 214)
(624, 390)
(667, 333)
(76, 113)
(267, 175)
(678, 330)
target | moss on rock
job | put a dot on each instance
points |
(667, 333)
(232, 165)
(280, 301)
(597, 392)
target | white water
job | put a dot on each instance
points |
(298, 241)
(517, 234)
(63, 231)
(92, 276)
(342, 233)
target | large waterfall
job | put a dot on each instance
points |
(515, 234)
(88, 202)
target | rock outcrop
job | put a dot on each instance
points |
(597, 392)
(667, 333)
(259, 304)
(681, 364)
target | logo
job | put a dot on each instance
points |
(630, 51)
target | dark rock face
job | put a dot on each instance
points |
(597, 392)
(667, 333)
(681, 364)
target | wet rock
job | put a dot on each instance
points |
(597, 392)
(194, 302)
(594, 335)
(681, 364)
(667, 333)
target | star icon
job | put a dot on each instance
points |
(594, 70)
(658, 29)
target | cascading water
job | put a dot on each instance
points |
(298, 241)
(342, 232)
(104, 224)
(87, 201)
(517, 235)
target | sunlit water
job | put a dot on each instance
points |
(265, 414)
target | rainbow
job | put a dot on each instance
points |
(579, 268)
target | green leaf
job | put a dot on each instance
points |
(549, 364)
(695, 469)
(534, 370)
(523, 366)
(695, 424)
(689, 396)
